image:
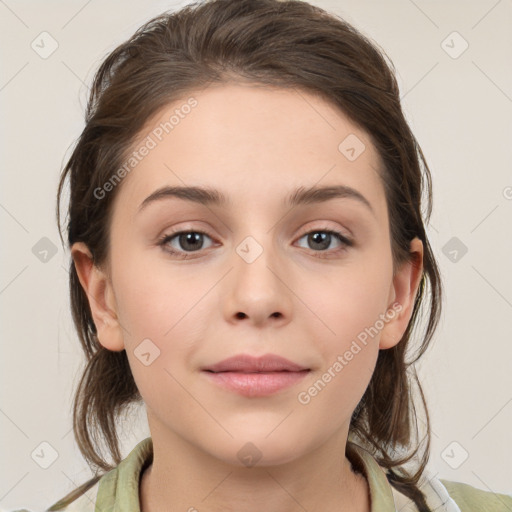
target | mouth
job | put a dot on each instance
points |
(256, 383)
(250, 364)
(252, 376)
(256, 371)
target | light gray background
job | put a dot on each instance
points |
(459, 109)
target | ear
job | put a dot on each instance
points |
(402, 296)
(99, 291)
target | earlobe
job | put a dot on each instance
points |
(403, 296)
(99, 291)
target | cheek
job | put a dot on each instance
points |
(157, 312)
(346, 329)
(152, 294)
(347, 301)
(160, 302)
(344, 334)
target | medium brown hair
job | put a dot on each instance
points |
(288, 44)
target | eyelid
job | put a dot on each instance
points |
(346, 241)
(347, 236)
(344, 232)
(174, 233)
(164, 240)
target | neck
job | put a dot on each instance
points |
(182, 477)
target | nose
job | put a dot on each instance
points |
(258, 290)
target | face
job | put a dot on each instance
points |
(191, 283)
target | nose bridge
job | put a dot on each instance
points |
(255, 259)
(256, 286)
(259, 245)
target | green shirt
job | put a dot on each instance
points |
(118, 490)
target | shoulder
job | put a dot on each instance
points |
(448, 496)
(471, 499)
(120, 484)
(82, 499)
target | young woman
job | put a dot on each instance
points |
(249, 260)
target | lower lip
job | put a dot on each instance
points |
(256, 384)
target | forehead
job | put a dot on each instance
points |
(252, 142)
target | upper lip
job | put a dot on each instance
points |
(247, 363)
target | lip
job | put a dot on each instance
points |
(249, 364)
(255, 376)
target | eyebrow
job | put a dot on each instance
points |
(214, 197)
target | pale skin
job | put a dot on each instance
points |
(256, 145)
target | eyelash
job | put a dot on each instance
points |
(165, 239)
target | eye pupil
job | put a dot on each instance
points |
(190, 238)
(320, 237)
